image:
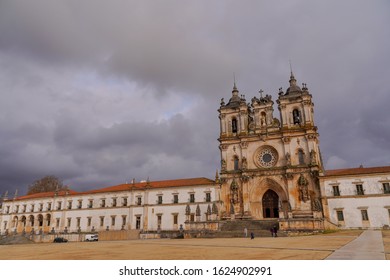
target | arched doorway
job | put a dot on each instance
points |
(270, 204)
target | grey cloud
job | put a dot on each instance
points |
(130, 89)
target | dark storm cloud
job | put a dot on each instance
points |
(100, 92)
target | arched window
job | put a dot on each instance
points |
(301, 157)
(234, 125)
(297, 116)
(236, 163)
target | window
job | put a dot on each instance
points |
(236, 163)
(40, 207)
(296, 116)
(113, 220)
(359, 190)
(340, 215)
(364, 215)
(124, 202)
(175, 219)
(192, 217)
(123, 220)
(192, 197)
(59, 205)
(159, 219)
(336, 191)
(17, 209)
(388, 210)
(78, 219)
(301, 157)
(57, 222)
(138, 222)
(159, 199)
(234, 125)
(101, 221)
(69, 222)
(386, 187)
(89, 221)
(32, 207)
(139, 200)
(103, 203)
(175, 198)
(208, 197)
(48, 206)
(69, 204)
(80, 204)
(114, 202)
(7, 210)
(90, 203)
(24, 208)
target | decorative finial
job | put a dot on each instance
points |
(261, 93)
(235, 90)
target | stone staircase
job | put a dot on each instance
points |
(14, 239)
(235, 228)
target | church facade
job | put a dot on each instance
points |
(270, 169)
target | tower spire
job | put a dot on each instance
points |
(235, 90)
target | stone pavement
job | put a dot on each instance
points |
(368, 246)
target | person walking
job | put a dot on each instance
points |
(275, 231)
(252, 235)
(272, 231)
(245, 232)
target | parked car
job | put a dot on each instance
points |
(91, 237)
(60, 240)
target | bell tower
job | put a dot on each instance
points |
(270, 167)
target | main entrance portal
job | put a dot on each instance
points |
(270, 203)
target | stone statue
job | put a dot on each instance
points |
(223, 165)
(312, 157)
(288, 159)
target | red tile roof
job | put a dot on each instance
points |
(123, 187)
(46, 194)
(357, 171)
(156, 184)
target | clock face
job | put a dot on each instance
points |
(266, 157)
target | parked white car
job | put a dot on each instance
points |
(91, 237)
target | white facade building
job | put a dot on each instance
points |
(146, 206)
(357, 197)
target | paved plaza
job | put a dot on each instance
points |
(354, 244)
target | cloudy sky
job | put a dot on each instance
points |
(100, 92)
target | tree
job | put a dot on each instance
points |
(46, 184)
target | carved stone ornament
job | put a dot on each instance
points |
(223, 147)
(286, 139)
(244, 144)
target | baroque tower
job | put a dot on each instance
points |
(270, 167)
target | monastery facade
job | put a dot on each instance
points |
(271, 169)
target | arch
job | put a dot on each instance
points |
(40, 220)
(258, 191)
(48, 219)
(234, 125)
(301, 157)
(297, 117)
(31, 220)
(236, 163)
(23, 220)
